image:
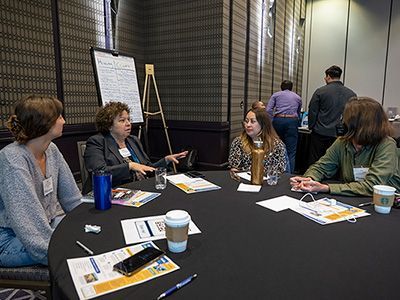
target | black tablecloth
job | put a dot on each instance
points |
(245, 251)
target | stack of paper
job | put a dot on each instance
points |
(323, 211)
(127, 197)
(94, 275)
(191, 185)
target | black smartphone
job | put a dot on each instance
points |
(136, 262)
(195, 174)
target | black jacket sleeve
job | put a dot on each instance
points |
(99, 154)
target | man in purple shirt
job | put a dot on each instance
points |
(285, 107)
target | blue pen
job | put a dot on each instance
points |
(177, 286)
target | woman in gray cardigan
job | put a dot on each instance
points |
(35, 182)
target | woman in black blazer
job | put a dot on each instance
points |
(114, 149)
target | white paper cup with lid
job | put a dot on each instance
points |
(176, 230)
(383, 198)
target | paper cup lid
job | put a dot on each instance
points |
(177, 217)
(384, 189)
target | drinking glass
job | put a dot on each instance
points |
(161, 178)
(272, 176)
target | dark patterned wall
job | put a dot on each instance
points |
(81, 26)
(129, 33)
(255, 39)
(275, 51)
(239, 25)
(268, 53)
(184, 42)
(212, 58)
(225, 79)
(300, 46)
(279, 38)
(27, 53)
(288, 47)
(293, 31)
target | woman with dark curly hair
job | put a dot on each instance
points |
(365, 156)
(35, 182)
(114, 149)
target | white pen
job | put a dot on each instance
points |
(84, 247)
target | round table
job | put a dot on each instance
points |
(245, 251)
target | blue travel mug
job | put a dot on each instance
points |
(102, 189)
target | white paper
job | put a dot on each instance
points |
(192, 185)
(279, 203)
(94, 275)
(148, 229)
(249, 188)
(117, 80)
(247, 176)
(178, 178)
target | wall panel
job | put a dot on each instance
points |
(81, 26)
(27, 53)
(300, 33)
(391, 96)
(366, 50)
(327, 21)
(129, 34)
(184, 43)
(239, 21)
(225, 110)
(267, 58)
(254, 52)
(279, 48)
(288, 55)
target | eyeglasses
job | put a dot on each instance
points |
(251, 121)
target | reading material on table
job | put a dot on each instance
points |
(248, 188)
(279, 203)
(127, 197)
(328, 211)
(148, 229)
(192, 185)
(94, 275)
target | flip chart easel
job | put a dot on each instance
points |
(146, 105)
(116, 80)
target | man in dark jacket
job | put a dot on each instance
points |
(324, 112)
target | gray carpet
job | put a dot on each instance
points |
(11, 294)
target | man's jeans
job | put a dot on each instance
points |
(287, 129)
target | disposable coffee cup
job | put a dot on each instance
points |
(383, 198)
(176, 230)
(102, 189)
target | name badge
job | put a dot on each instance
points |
(47, 186)
(360, 173)
(124, 152)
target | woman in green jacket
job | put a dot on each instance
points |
(365, 156)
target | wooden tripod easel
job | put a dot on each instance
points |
(146, 105)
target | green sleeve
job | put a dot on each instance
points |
(382, 168)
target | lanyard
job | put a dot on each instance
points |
(133, 154)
